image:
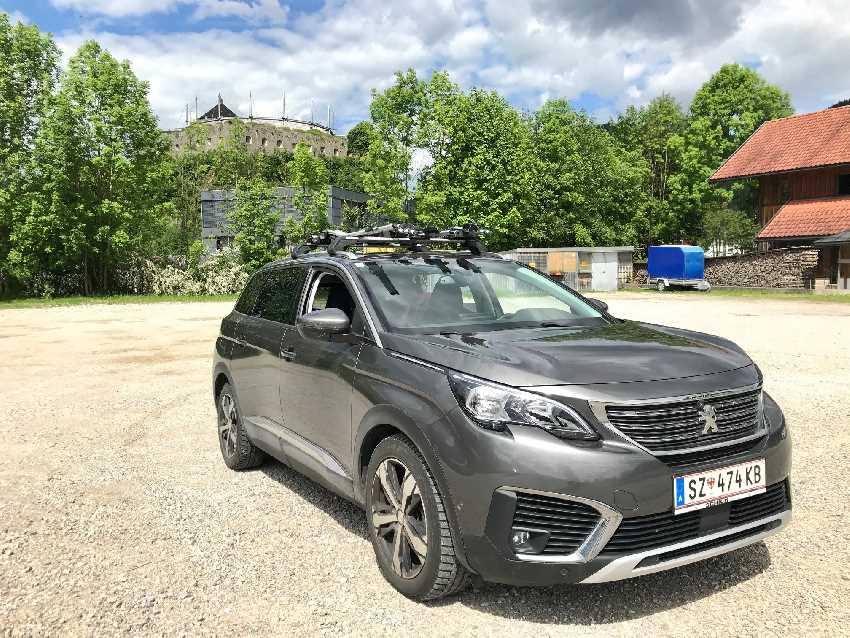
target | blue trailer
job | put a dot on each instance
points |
(677, 266)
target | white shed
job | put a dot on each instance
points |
(601, 268)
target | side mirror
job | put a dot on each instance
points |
(598, 304)
(323, 324)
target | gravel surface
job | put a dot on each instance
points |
(118, 516)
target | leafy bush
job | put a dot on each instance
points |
(221, 274)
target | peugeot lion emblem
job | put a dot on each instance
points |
(709, 415)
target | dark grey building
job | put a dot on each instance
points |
(216, 204)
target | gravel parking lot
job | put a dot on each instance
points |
(118, 516)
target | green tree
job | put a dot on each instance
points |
(358, 138)
(253, 220)
(656, 131)
(592, 190)
(28, 74)
(726, 228)
(345, 172)
(385, 178)
(404, 121)
(734, 102)
(725, 111)
(483, 171)
(96, 177)
(309, 177)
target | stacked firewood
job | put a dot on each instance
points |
(786, 268)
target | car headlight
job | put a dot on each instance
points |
(495, 406)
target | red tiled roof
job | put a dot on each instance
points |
(800, 141)
(809, 218)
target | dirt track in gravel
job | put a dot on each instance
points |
(118, 516)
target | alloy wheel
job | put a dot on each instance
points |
(227, 425)
(398, 517)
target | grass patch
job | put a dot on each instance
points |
(749, 293)
(110, 300)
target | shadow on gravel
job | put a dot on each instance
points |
(344, 512)
(623, 600)
(562, 604)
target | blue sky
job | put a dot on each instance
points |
(600, 55)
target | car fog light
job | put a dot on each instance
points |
(529, 541)
(520, 538)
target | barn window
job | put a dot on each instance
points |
(844, 184)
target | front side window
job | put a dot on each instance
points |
(434, 295)
(329, 290)
(279, 294)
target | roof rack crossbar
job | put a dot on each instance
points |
(396, 235)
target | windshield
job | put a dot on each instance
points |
(447, 294)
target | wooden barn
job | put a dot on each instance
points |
(802, 164)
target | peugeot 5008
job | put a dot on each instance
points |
(491, 420)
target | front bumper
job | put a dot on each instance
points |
(624, 484)
(691, 551)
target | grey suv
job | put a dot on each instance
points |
(491, 420)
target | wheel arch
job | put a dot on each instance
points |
(221, 375)
(383, 421)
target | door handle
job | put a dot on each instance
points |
(288, 353)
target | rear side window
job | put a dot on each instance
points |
(248, 298)
(279, 294)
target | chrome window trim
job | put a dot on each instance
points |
(311, 268)
(414, 360)
(599, 409)
(627, 566)
(313, 288)
(594, 543)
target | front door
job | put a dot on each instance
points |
(317, 375)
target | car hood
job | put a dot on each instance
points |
(616, 352)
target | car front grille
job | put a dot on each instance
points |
(674, 426)
(568, 522)
(726, 453)
(776, 499)
(643, 533)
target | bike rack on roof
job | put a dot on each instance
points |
(396, 235)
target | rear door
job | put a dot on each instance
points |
(262, 333)
(241, 351)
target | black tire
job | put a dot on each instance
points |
(440, 574)
(660, 285)
(236, 449)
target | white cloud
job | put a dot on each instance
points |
(257, 11)
(527, 49)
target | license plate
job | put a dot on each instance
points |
(723, 485)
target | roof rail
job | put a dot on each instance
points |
(396, 235)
